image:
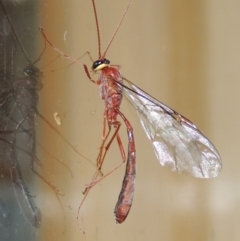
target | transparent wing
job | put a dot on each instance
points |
(177, 142)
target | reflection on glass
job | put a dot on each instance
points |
(20, 82)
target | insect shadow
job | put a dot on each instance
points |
(18, 110)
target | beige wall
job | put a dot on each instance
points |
(184, 53)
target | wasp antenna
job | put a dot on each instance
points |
(14, 32)
(98, 32)
(120, 23)
(40, 56)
